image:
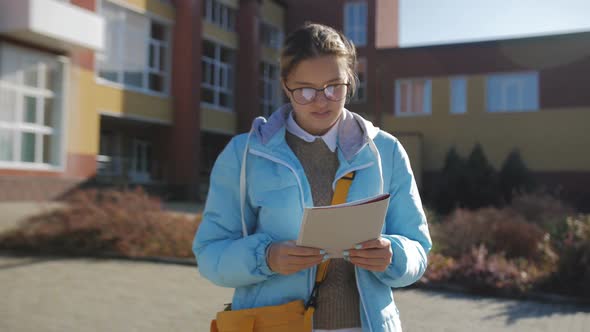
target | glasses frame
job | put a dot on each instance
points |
(317, 91)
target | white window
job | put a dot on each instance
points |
(31, 109)
(361, 71)
(217, 82)
(270, 36)
(413, 97)
(137, 50)
(458, 95)
(355, 22)
(512, 92)
(270, 98)
(219, 14)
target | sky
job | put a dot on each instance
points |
(435, 22)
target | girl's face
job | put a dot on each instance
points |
(318, 114)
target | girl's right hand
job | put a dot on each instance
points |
(288, 258)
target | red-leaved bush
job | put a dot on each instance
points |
(98, 222)
(482, 271)
(501, 231)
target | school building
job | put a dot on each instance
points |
(119, 92)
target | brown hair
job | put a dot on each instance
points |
(314, 40)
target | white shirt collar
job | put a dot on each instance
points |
(330, 138)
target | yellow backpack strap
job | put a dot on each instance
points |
(340, 193)
(342, 187)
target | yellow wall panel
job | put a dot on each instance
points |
(153, 6)
(549, 139)
(88, 98)
(270, 55)
(82, 133)
(230, 3)
(227, 38)
(218, 121)
(273, 13)
(134, 104)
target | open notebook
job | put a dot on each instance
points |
(340, 227)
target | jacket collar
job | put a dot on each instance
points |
(354, 132)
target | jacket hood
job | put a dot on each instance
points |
(354, 132)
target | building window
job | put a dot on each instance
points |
(31, 109)
(270, 98)
(355, 22)
(413, 97)
(219, 14)
(141, 161)
(361, 71)
(137, 50)
(458, 95)
(217, 82)
(270, 36)
(513, 92)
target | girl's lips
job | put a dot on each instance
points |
(323, 114)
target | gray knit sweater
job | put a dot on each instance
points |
(338, 300)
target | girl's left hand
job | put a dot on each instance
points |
(374, 255)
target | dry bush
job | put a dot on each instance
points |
(501, 231)
(98, 222)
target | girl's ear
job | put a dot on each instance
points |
(284, 86)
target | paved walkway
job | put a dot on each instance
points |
(114, 295)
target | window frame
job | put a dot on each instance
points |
(220, 15)
(41, 93)
(148, 42)
(426, 102)
(458, 96)
(272, 29)
(269, 105)
(216, 87)
(353, 27)
(505, 81)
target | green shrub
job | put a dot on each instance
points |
(514, 177)
(128, 223)
(471, 183)
(482, 188)
(448, 189)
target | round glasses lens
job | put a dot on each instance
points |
(335, 92)
(305, 95)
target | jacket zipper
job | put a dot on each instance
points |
(281, 162)
(310, 282)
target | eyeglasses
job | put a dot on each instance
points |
(333, 92)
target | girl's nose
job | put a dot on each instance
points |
(321, 98)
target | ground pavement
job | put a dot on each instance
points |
(53, 294)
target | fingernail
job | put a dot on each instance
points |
(345, 253)
(322, 252)
(358, 246)
(326, 257)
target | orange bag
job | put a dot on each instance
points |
(295, 316)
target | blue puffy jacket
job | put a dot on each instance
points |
(257, 194)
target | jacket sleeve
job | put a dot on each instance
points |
(406, 226)
(223, 254)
